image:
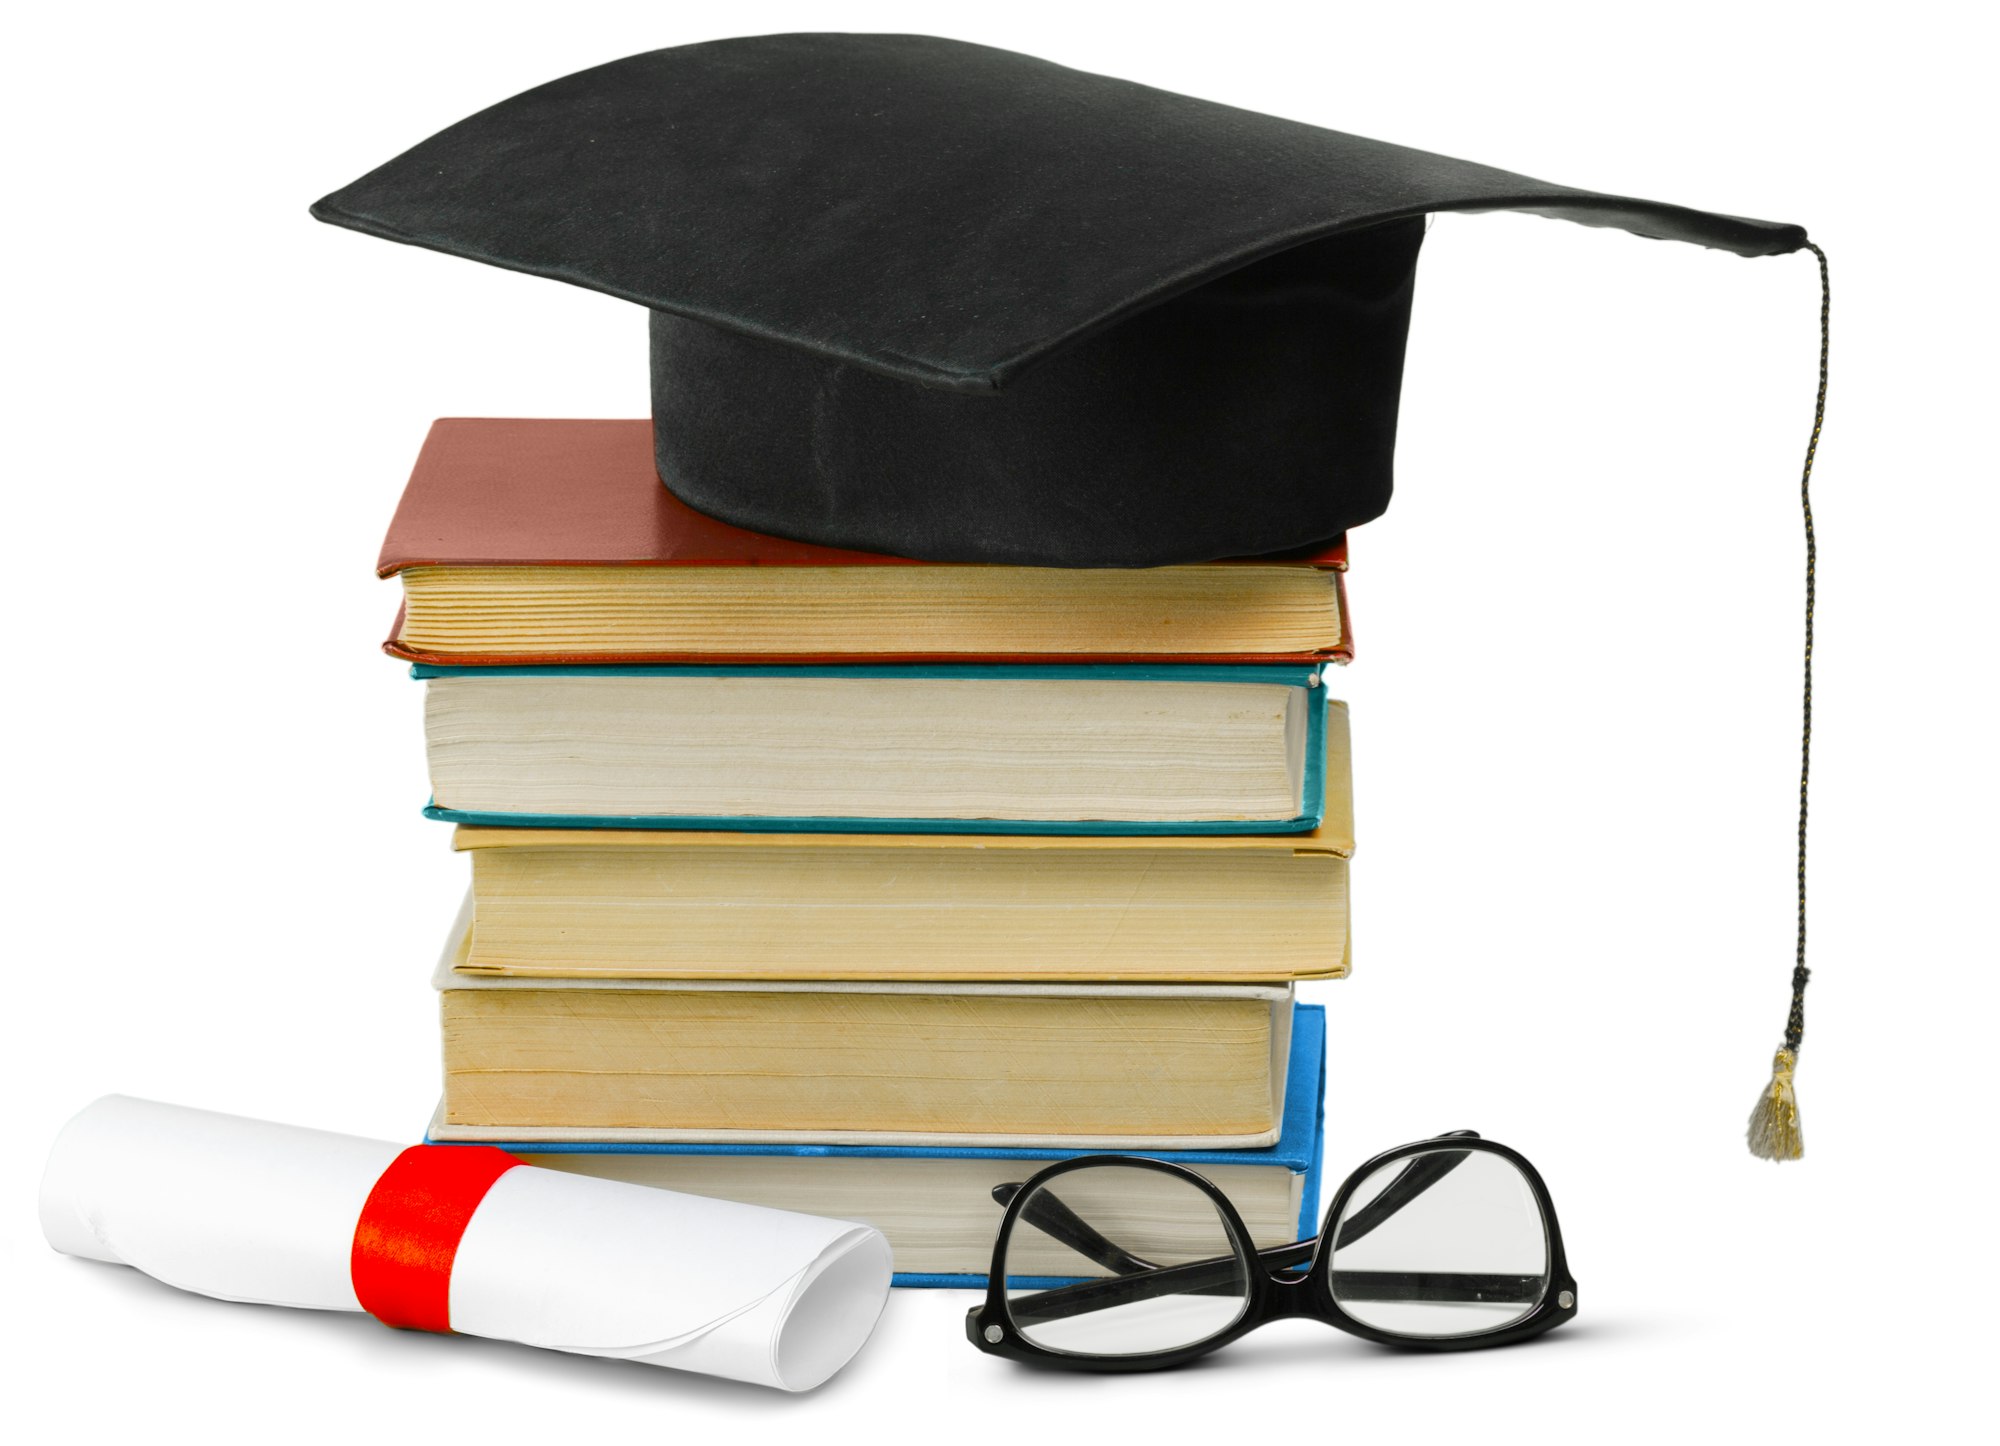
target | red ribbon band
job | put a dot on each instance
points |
(408, 1233)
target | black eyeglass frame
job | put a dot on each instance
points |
(1275, 1289)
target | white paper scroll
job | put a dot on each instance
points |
(248, 1210)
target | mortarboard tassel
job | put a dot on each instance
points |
(1774, 1124)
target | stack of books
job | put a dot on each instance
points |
(861, 886)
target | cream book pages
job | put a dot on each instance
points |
(1072, 749)
(939, 1214)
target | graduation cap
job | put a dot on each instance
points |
(917, 296)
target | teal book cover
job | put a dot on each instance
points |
(1312, 794)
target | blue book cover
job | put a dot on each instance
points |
(1299, 1147)
(1312, 793)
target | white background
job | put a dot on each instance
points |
(1575, 705)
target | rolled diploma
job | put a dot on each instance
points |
(248, 1210)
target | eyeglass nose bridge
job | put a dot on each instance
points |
(1288, 1290)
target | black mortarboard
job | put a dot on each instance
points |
(922, 297)
(916, 296)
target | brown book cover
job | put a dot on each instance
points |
(497, 492)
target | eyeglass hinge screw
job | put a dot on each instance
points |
(992, 1334)
(1565, 1300)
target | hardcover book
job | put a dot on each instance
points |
(1115, 749)
(552, 541)
(936, 1205)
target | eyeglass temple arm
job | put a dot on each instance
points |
(1048, 1214)
(1422, 1172)
(1056, 1220)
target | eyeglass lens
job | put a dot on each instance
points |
(1091, 1264)
(1445, 1243)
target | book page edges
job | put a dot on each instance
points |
(1334, 836)
(1297, 1149)
(468, 1134)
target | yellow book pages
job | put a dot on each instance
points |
(990, 611)
(1336, 830)
(825, 1063)
(787, 912)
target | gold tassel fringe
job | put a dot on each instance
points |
(1774, 1124)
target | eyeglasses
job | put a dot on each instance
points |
(1121, 1263)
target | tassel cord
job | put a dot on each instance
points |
(1774, 1124)
(1795, 1023)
